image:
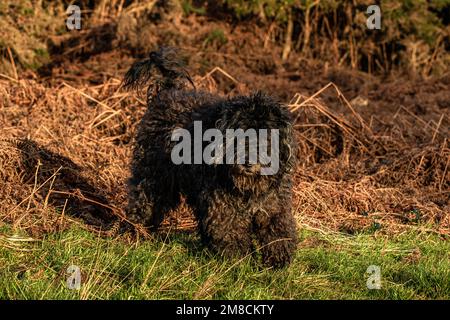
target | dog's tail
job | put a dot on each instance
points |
(167, 61)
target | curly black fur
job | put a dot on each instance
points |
(234, 204)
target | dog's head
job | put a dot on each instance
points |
(258, 141)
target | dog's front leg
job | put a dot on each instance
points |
(224, 227)
(276, 232)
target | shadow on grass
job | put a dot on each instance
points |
(73, 190)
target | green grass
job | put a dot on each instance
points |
(331, 266)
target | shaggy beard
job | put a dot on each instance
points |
(253, 183)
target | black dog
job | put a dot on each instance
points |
(234, 204)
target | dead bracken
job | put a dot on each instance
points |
(388, 169)
(373, 154)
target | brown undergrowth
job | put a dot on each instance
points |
(377, 162)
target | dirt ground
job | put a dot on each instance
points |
(374, 151)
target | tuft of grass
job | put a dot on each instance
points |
(326, 266)
(26, 26)
(217, 37)
(189, 8)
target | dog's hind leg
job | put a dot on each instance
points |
(276, 233)
(140, 204)
(149, 205)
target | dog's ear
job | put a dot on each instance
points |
(138, 75)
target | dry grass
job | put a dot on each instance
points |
(65, 153)
(351, 178)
